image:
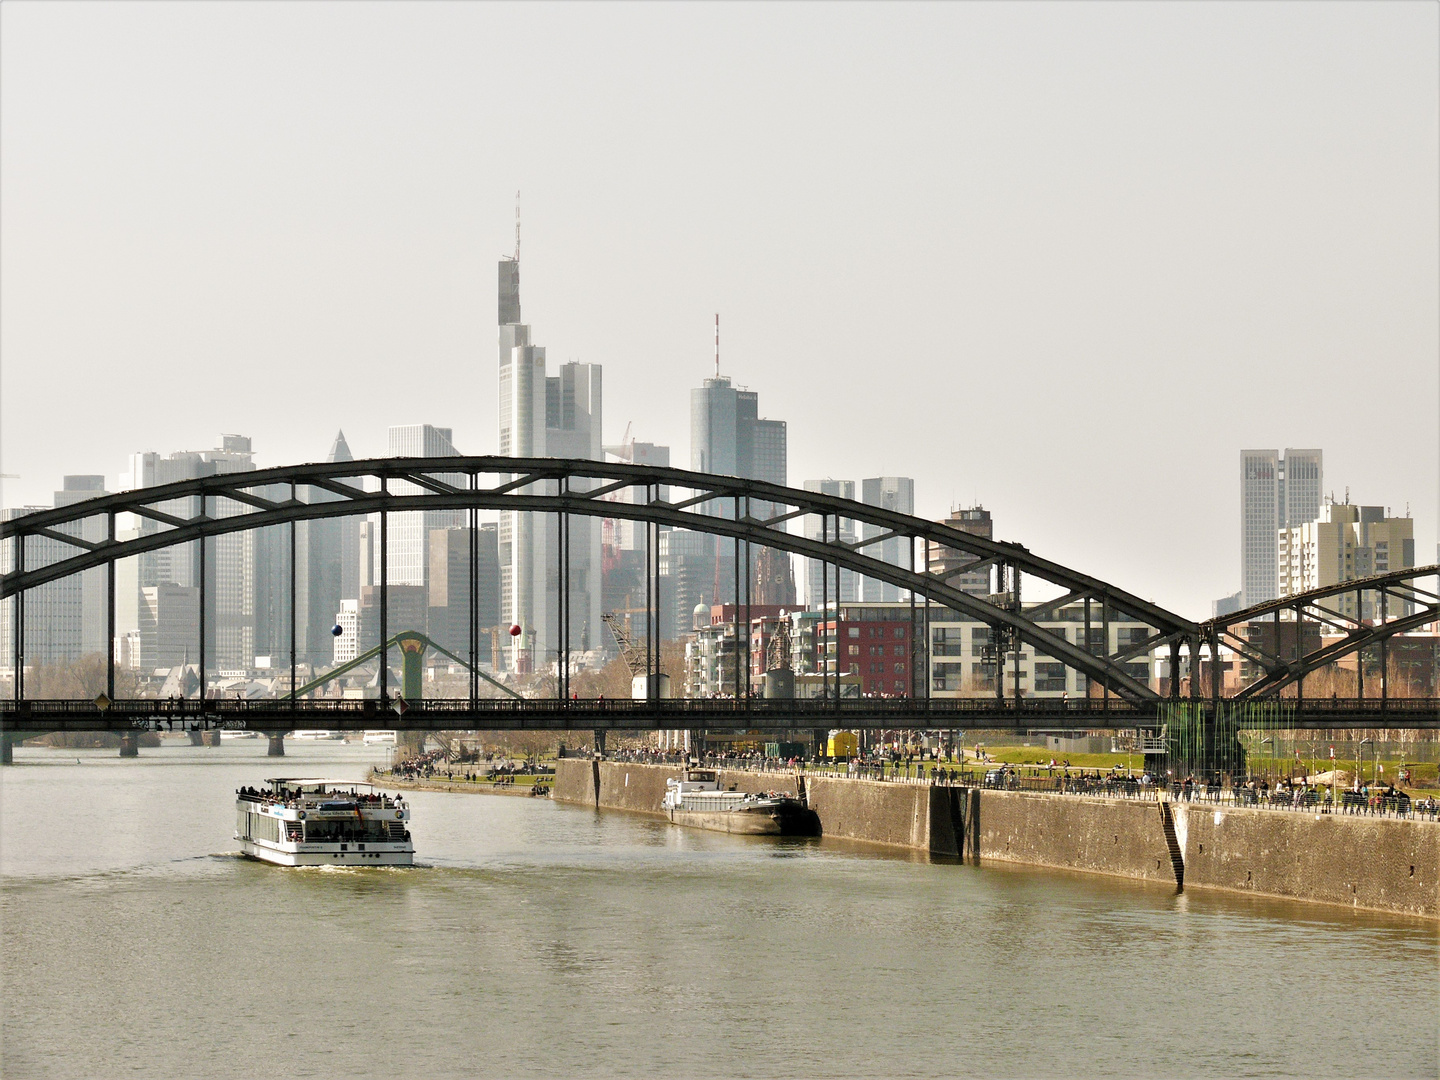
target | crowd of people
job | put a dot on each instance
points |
(286, 796)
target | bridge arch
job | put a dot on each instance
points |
(1329, 607)
(747, 511)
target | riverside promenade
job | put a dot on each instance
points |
(1374, 862)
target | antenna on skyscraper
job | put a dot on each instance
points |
(717, 345)
(517, 226)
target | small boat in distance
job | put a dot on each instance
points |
(312, 822)
(696, 799)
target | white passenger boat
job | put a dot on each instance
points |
(696, 799)
(310, 822)
(373, 738)
(231, 736)
(318, 736)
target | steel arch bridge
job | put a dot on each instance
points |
(746, 512)
(1396, 602)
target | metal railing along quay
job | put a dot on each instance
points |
(1297, 800)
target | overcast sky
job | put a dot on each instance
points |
(1063, 260)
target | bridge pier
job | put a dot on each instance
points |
(7, 749)
(210, 738)
(277, 745)
(197, 737)
(130, 744)
(599, 741)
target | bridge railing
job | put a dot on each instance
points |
(948, 713)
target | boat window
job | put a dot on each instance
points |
(261, 827)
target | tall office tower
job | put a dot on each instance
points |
(449, 592)
(622, 544)
(487, 574)
(409, 530)
(54, 612)
(404, 610)
(325, 549)
(544, 416)
(239, 567)
(694, 568)
(947, 560)
(1276, 492)
(895, 493)
(1346, 542)
(368, 534)
(572, 430)
(729, 438)
(816, 588)
(523, 558)
(622, 534)
(94, 627)
(169, 626)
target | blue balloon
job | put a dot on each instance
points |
(337, 630)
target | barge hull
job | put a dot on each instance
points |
(790, 821)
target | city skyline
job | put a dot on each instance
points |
(1079, 355)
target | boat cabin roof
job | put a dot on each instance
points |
(315, 783)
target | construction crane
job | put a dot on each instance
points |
(634, 658)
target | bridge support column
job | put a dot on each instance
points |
(210, 738)
(599, 741)
(277, 745)
(7, 749)
(129, 745)
(197, 737)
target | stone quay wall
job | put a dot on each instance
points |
(1385, 864)
(1382, 864)
(1122, 837)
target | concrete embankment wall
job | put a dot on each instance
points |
(1123, 837)
(880, 813)
(1386, 864)
(1376, 863)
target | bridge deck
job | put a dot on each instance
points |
(775, 717)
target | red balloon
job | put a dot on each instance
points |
(514, 631)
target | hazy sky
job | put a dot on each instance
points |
(1066, 260)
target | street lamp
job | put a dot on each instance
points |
(1358, 753)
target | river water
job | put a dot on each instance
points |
(545, 940)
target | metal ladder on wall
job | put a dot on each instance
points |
(1177, 857)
